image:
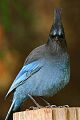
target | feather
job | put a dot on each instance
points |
(27, 71)
(10, 110)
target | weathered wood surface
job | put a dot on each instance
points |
(71, 113)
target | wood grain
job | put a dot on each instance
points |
(71, 113)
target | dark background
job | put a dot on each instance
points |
(24, 25)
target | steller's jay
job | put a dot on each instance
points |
(46, 70)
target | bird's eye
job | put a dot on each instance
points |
(52, 36)
(61, 36)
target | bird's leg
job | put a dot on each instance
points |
(48, 104)
(34, 101)
(38, 106)
(45, 101)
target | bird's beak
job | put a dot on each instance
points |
(56, 38)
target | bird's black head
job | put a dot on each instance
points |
(57, 35)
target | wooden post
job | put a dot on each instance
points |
(71, 113)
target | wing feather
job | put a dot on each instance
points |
(27, 71)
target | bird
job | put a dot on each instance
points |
(46, 69)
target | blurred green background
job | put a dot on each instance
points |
(24, 25)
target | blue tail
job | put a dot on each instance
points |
(10, 110)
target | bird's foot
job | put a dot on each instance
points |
(34, 108)
(54, 106)
(64, 106)
(48, 104)
(51, 106)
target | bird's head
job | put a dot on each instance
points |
(56, 38)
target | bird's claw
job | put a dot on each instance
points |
(54, 106)
(33, 108)
(64, 106)
(51, 106)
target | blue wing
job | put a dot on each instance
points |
(27, 71)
